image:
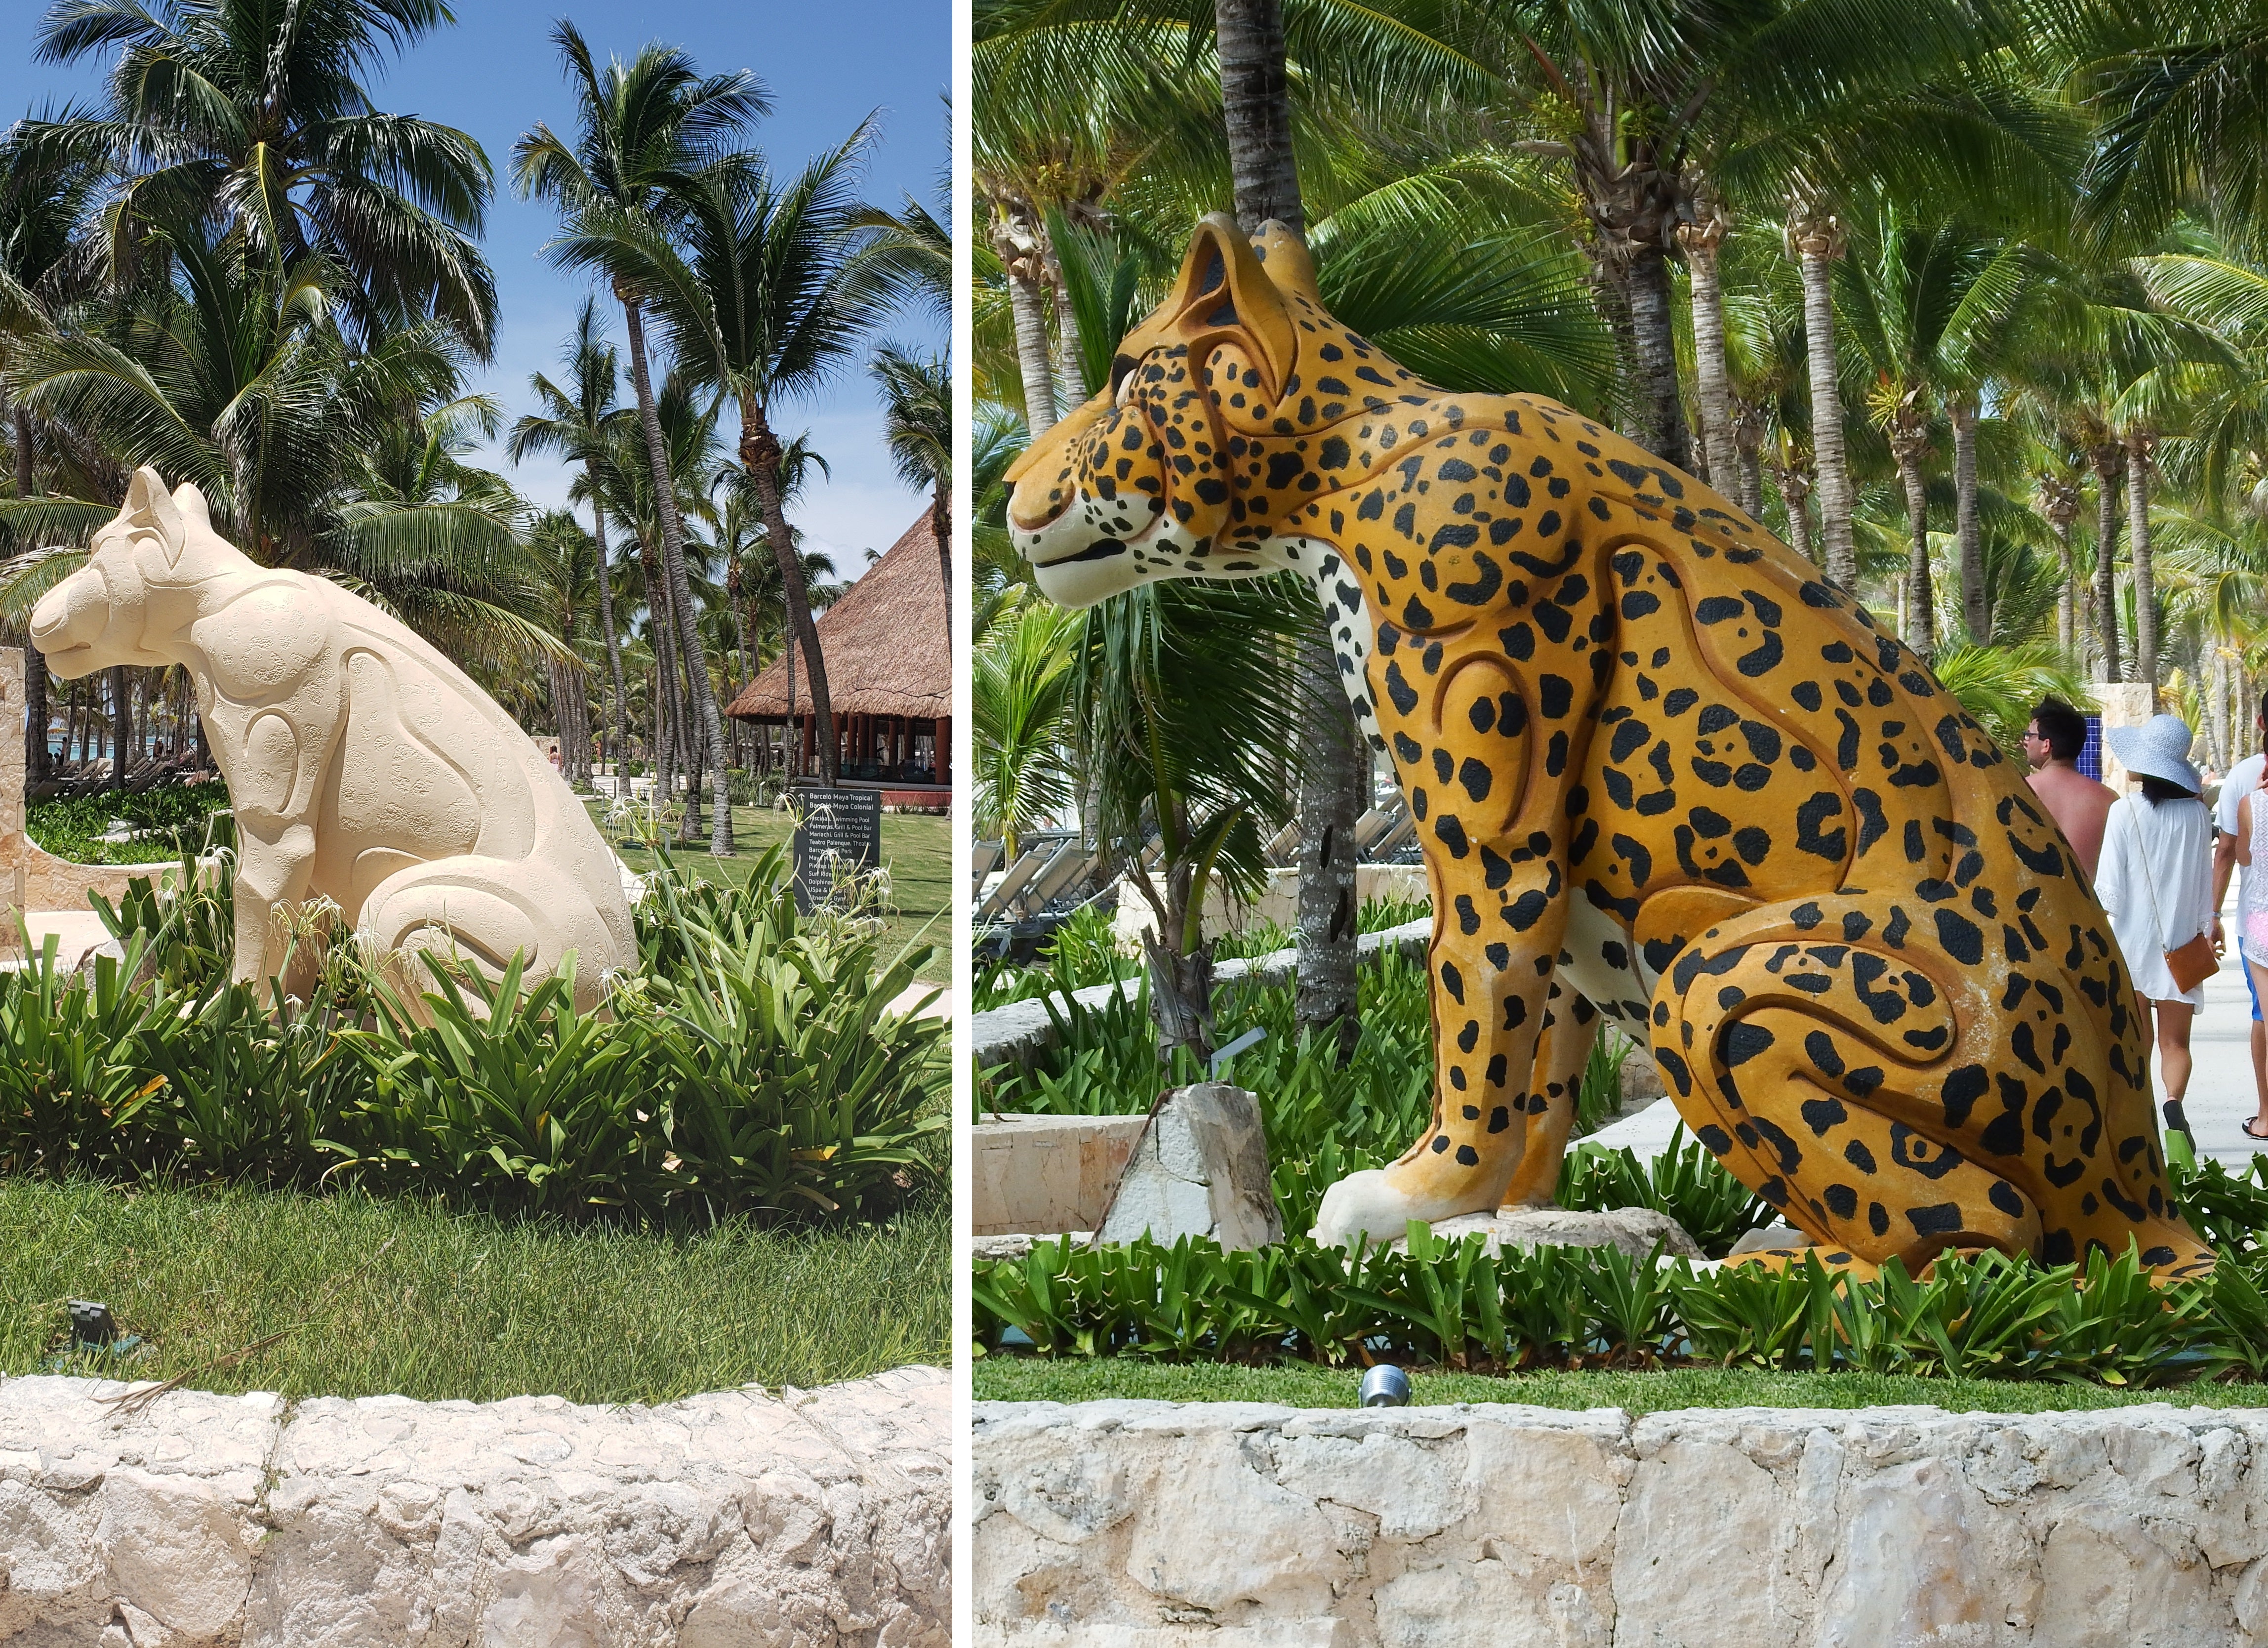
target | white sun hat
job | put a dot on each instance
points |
(2158, 749)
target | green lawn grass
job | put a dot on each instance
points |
(462, 1305)
(916, 847)
(1011, 1379)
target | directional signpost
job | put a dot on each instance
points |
(837, 834)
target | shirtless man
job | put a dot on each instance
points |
(2077, 803)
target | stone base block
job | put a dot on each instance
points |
(1048, 1174)
(1157, 1524)
(1637, 1231)
(741, 1517)
(1015, 1247)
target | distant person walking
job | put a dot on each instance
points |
(2250, 841)
(2155, 881)
(2244, 778)
(2077, 803)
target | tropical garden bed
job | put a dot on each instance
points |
(917, 856)
(463, 1190)
(1303, 1311)
(162, 820)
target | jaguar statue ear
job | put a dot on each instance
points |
(1225, 296)
(150, 506)
(1284, 255)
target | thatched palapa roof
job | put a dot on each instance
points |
(885, 643)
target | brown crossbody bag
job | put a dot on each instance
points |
(2194, 962)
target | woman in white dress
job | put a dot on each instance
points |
(2155, 882)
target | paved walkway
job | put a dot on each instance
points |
(2220, 1096)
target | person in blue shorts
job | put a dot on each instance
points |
(2243, 779)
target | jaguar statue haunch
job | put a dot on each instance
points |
(1663, 775)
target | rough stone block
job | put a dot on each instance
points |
(1637, 1231)
(820, 1517)
(1155, 1524)
(1200, 1169)
(1043, 1175)
(1641, 1078)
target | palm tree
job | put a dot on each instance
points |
(1020, 676)
(628, 485)
(917, 428)
(640, 125)
(761, 291)
(1815, 239)
(315, 450)
(567, 563)
(752, 573)
(909, 253)
(1334, 765)
(1927, 310)
(573, 424)
(256, 115)
(1186, 724)
(43, 199)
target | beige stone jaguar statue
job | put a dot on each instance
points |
(361, 764)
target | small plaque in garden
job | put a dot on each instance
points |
(837, 834)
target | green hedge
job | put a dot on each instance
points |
(181, 815)
(748, 1067)
(1452, 1305)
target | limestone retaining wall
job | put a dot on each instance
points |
(818, 1517)
(1152, 1525)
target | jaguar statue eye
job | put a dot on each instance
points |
(1122, 378)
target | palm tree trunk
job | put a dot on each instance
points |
(1920, 627)
(1255, 107)
(666, 730)
(1817, 241)
(2107, 461)
(2137, 549)
(673, 556)
(1721, 460)
(2067, 594)
(1032, 359)
(1069, 350)
(1660, 407)
(941, 523)
(1748, 447)
(116, 677)
(23, 479)
(681, 686)
(1976, 614)
(35, 715)
(2221, 754)
(1795, 495)
(760, 455)
(1335, 766)
(606, 622)
(794, 740)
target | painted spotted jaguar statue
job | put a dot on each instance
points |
(1663, 775)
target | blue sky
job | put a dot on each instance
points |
(496, 73)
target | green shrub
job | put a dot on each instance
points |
(1454, 1304)
(796, 1087)
(754, 1068)
(182, 815)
